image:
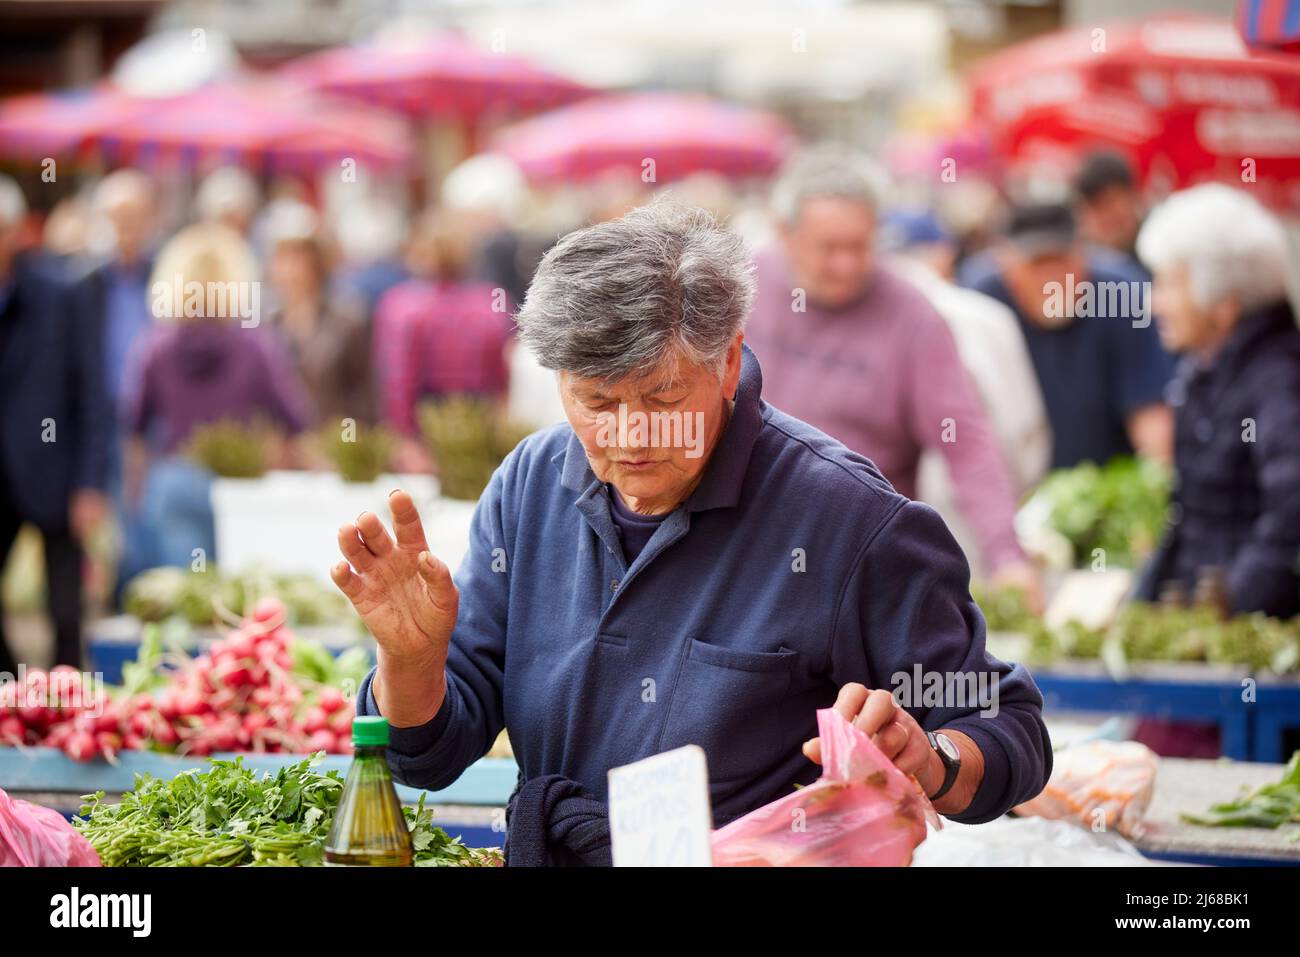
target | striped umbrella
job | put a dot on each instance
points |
(440, 76)
(1270, 24)
(681, 133)
(258, 123)
(33, 126)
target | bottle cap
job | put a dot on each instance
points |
(369, 731)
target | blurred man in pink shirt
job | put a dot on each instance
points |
(854, 349)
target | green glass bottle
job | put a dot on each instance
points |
(369, 829)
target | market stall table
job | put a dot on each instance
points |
(1187, 786)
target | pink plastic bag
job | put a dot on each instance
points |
(861, 812)
(35, 836)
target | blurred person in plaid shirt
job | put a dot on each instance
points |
(439, 333)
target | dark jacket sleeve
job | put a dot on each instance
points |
(93, 409)
(434, 754)
(1262, 576)
(906, 605)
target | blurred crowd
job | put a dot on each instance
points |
(964, 357)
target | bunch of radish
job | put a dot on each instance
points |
(242, 695)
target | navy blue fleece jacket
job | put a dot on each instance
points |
(793, 569)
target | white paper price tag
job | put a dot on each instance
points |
(659, 813)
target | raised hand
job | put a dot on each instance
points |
(403, 593)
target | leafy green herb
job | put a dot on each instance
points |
(1271, 805)
(227, 815)
(1119, 507)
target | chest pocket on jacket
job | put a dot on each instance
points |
(728, 701)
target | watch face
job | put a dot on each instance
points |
(947, 747)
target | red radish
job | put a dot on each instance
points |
(264, 697)
(190, 704)
(80, 746)
(110, 719)
(35, 716)
(133, 742)
(255, 722)
(267, 609)
(341, 723)
(322, 740)
(168, 705)
(12, 730)
(331, 699)
(314, 720)
(242, 644)
(164, 733)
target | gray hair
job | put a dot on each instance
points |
(826, 170)
(619, 297)
(1231, 246)
(13, 207)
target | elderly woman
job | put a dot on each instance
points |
(1220, 264)
(622, 597)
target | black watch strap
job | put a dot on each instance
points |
(951, 765)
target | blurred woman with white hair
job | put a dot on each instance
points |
(1220, 265)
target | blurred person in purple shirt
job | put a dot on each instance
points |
(440, 333)
(851, 347)
(213, 361)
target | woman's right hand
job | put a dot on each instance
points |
(403, 594)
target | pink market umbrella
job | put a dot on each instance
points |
(258, 123)
(36, 125)
(1270, 24)
(682, 133)
(442, 77)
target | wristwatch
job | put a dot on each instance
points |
(951, 759)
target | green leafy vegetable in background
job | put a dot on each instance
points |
(361, 456)
(469, 438)
(1119, 507)
(1271, 805)
(232, 449)
(199, 597)
(1151, 632)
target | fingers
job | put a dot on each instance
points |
(914, 759)
(374, 534)
(892, 739)
(850, 699)
(437, 576)
(879, 710)
(347, 580)
(354, 550)
(406, 520)
(812, 750)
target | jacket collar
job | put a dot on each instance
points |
(725, 474)
(1252, 328)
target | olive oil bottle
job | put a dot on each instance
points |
(369, 829)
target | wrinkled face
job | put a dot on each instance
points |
(1112, 217)
(830, 248)
(1184, 325)
(651, 436)
(1032, 279)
